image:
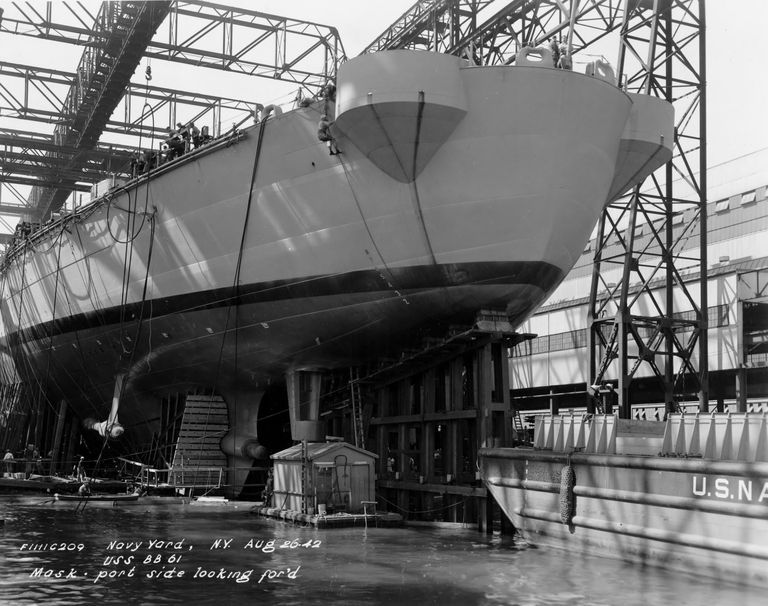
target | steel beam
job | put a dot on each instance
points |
(40, 92)
(123, 31)
(117, 37)
(662, 53)
(274, 47)
(31, 158)
(492, 31)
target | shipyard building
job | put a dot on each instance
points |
(548, 371)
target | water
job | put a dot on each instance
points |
(347, 566)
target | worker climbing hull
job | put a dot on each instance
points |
(457, 189)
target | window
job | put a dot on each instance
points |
(539, 345)
(748, 198)
(576, 339)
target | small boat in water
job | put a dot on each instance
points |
(96, 497)
(690, 494)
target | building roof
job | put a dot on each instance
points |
(317, 450)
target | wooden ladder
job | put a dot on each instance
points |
(357, 408)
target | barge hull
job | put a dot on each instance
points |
(702, 517)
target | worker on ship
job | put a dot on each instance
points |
(148, 161)
(29, 460)
(175, 144)
(137, 164)
(329, 97)
(194, 134)
(564, 62)
(555, 48)
(258, 113)
(80, 470)
(184, 134)
(329, 92)
(38, 462)
(324, 134)
(85, 489)
(8, 462)
(205, 135)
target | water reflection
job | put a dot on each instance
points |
(342, 566)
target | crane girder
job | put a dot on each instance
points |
(203, 34)
(492, 31)
(199, 33)
(38, 97)
(105, 69)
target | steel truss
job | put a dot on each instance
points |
(633, 319)
(203, 34)
(122, 31)
(492, 31)
(661, 53)
(25, 160)
(199, 33)
(146, 110)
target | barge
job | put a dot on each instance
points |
(690, 494)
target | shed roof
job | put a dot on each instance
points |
(316, 450)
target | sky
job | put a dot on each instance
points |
(736, 92)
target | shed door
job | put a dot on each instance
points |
(360, 485)
(332, 485)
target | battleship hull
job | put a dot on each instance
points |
(458, 189)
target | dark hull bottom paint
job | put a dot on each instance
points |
(201, 340)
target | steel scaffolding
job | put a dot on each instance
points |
(634, 319)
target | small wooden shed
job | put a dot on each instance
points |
(338, 477)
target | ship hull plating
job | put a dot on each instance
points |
(262, 253)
